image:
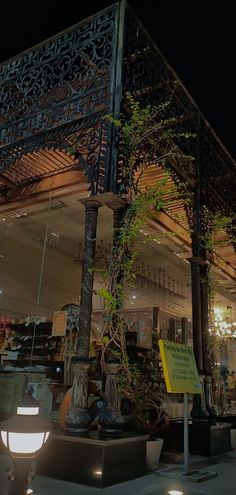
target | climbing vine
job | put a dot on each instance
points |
(147, 136)
(121, 275)
(215, 224)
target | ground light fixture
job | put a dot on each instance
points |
(24, 435)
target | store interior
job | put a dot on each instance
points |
(41, 252)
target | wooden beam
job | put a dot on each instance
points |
(182, 237)
(4, 180)
(59, 185)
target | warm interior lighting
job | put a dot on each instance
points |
(23, 435)
(26, 432)
(28, 411)
(24, 443)
(175, 492)
(4, 437)
(222, 328)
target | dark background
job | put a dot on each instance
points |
(198, 42)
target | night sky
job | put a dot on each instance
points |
(198, 43)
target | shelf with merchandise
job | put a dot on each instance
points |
(46, 346)
(47, 354)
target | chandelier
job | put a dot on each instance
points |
(221, 327)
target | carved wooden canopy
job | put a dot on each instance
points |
(63, 87)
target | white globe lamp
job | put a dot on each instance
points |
(24, 435)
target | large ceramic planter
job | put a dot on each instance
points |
(153, 452)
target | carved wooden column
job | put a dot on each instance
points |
(78, 419)
(199, 410)
(184, 328)
(204, 273)
(196, 312)
(172, 330)
(196, 259)
(87, 278)
(110, 419)
(155, 326)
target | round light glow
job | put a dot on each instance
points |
(4, 437)
(24, 443)
(27, 411)
(221, 328)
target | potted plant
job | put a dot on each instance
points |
(142, 385)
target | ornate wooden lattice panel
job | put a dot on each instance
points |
(61, 80)
(148, 76)
(218, 172)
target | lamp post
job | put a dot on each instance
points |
(24, 434)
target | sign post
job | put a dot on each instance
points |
(181, 376)
(186, 449)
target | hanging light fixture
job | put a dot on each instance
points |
(221, 327)
(23, 435)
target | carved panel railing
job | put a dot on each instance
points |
(67, 84)
(148, 76)
(218, 172)
(92, 135)
(61, 80)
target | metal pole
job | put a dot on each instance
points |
(20, 483)
(186, 458)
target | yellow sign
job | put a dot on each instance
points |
(179, 368)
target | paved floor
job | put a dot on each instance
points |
(150, 484)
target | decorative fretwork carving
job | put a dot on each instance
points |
(218, 173)
(88, 137)
(63, 79)
(90, 149)
(148, 76)
(67, 83)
